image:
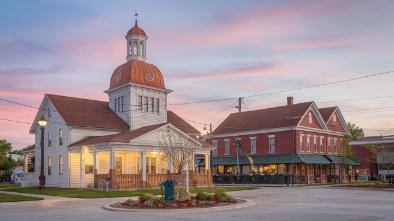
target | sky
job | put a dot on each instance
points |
(336, 53)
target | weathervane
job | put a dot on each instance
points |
(136, 14)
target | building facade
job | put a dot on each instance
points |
(88, 142)
(295, 143)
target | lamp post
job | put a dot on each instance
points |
(42, 122)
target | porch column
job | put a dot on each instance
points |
(26, 163)
(170, 167)
(112, 170)
(207, 163)
(95, 182)
(143, 167)
(81, 170)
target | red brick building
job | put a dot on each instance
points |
(295, 140)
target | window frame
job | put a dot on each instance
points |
(49, 139)
(226, 147)
(315, 144)
(302, 146)
(308, 143)
(253, 148)
(215, 144)
(49, 166)
(60, 137)
(321, 144)
(157, 105)
(152, 105)
(139, 102)
(271, 143)
(60, 165)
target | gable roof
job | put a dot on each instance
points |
(87, 113)
(275, 117)
(123, 137)
(327, 112)
(180, 123)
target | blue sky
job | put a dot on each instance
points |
(206, 50)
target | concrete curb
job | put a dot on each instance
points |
(236, 206)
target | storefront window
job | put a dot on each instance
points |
(246, 169)
(282, 169)
(220, 169)
(228, 169)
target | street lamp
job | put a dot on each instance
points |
(205, 131)
(42, 122)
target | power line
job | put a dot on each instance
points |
(288, 90)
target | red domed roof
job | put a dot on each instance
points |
(136, 30)
(137, 72)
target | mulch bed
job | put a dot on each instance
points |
(368, 186)
(180, 205)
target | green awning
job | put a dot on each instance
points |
(314, 159)
(340, 160)
(282, 159)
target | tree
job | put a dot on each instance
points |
(355, 132)
(6, 163)
(347, 152)
(383, 154)
(178, 148)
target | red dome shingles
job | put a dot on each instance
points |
(136, 30)
(134, 72)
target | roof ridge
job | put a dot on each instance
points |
(75, 98)
(311, 102)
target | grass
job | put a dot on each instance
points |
(4, 198)
(8, 185)
(76, 193)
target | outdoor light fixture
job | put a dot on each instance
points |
(42, 122)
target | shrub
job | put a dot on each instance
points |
(146, 196)
(193, 203)
(136, 203)
(156, 199)
(160, 205)
(204, 196)
(175, 205)
(201, 202)
(212, 202)
(184, 205)
(149, 204)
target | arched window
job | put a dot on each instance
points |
(310, 117)
(135, 47)
(141, 51)
(130, 48)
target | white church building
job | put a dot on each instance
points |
(87, 141)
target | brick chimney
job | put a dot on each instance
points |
(290, 100)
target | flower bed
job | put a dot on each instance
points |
(192, 203)
(201, 200)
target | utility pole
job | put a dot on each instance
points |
(239, 107)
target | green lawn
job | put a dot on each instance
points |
(16, 198)
(75, 193)
(8, 185)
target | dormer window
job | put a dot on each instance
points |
(310, 117)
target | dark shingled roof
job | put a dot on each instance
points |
(275, 117)
(87, 113)
(178, 122)
(327, 112)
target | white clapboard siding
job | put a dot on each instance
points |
(75, 168)
(79, 133)
(55, 122)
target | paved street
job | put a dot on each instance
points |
(271, 204)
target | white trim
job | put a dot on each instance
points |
(280, 129)
(138, 85)
(271, 136)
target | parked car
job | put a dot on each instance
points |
(17, 176)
